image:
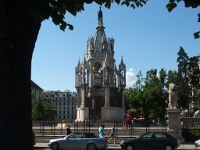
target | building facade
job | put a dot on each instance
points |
(64, 103)
(100, 85)
(36, 90)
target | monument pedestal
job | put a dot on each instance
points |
(82, 114)
(174, 124)
(112, 113)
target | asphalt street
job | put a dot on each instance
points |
(43, 146)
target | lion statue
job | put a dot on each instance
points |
(197, 114)
(172, 96)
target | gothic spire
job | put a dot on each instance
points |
(100, 19)
(100, 15)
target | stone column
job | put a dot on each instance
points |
(107, 95)
(93, 108)
(78, 97)
(82, 107)
(174, 124)
(122, 97)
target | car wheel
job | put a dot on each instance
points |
(54, 146)
(91, 146)
(168, 147)
(129, 147)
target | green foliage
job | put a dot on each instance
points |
(188, 78)
(56, 9)
(41, 10)
(42, 109)
(68, 121)
(145, 98)
(183, 87)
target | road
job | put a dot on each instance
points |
(43, 146)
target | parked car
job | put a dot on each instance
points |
(33, 138)
(88, 141)
(150, 141)
(197, 144)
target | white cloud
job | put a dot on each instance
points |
(130, 77)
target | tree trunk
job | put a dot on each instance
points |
(15, 75)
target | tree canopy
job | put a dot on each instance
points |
(151, 92)
(42, 109)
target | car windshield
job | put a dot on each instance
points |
(146, 135)
(82, 135)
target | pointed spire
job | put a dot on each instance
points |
(100, 15)
(100, 20)
(106, 62)
(122, 61)
(84, 61)
(78, 65)
(122, 66)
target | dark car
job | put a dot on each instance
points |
(151, 141)
(33, 138)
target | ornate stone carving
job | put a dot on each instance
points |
(172, 96)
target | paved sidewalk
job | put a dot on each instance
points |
(117, 146)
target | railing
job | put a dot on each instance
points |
(55, 128)
(189, 122)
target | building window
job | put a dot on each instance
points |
(68, 112)
(72, 103)
(60, 103)
(63, 112)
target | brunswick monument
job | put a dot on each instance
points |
(174, 114)
(99, 83)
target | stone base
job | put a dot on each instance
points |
(82, 114)
(112, 113)
(174, 124)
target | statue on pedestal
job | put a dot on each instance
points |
(172, 96)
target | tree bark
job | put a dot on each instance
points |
(15, 75)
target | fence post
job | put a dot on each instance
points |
(54, 129)
(43, 128)
(74, 125)
(61, 126)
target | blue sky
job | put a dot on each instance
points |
(147, 38)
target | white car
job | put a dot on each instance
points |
(197, 144)
(79, 141)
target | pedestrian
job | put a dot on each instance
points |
(112, 134)
(101, 131)
(128, 120)
(68, 130)
(124, 120)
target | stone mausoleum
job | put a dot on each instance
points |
(99, 83)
